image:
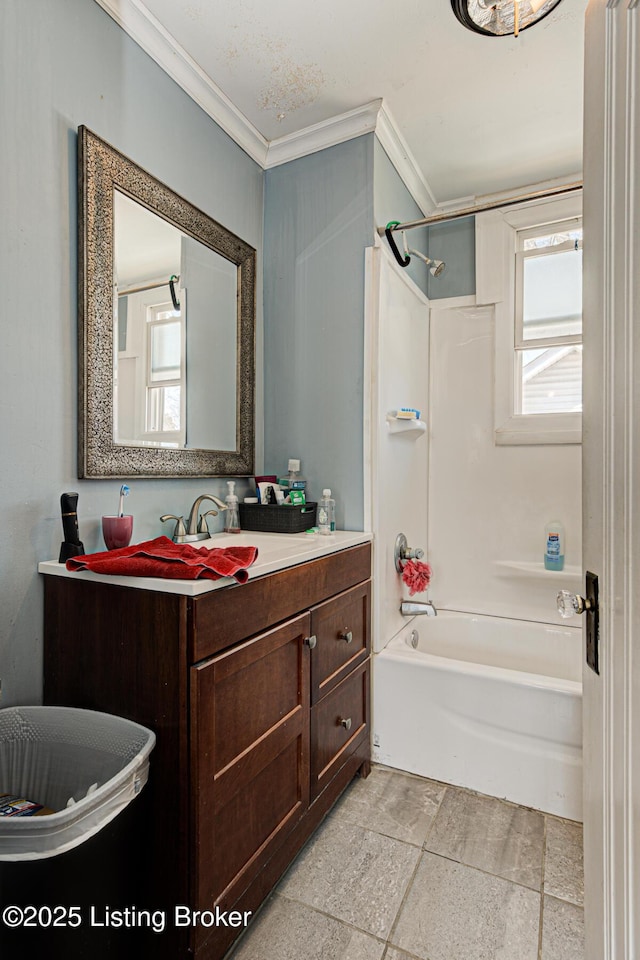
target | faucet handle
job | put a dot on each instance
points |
(203, 526)
(180, 530)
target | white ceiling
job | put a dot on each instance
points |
(479, 114)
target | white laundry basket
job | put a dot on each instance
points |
(56, 756)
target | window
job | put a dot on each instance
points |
(529, 264)
(164, 363)
(548, 319)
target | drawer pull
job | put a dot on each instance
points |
(346, 723)
(346, 635)
(311, 641)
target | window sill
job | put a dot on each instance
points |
(540, 429)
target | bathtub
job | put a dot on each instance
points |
(487, 703)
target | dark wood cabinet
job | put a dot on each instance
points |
(259, 698)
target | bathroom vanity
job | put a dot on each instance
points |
(259, 698)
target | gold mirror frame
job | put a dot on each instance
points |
(101, 169)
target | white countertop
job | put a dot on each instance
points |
(276, 551)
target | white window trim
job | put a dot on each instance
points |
(495, 284)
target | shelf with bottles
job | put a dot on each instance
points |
(537, 569)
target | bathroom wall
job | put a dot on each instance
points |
(488, 504)
(318, 222)
(66, 64)
(392, 201)
(453, 241)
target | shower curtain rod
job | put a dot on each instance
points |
(149, 286)
(481, 207)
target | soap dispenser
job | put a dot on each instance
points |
(232, 517)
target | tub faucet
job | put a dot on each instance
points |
(415, 608)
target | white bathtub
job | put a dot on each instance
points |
(487, 703)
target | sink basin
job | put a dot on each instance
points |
(271, 546)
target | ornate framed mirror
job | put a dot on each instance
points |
(166, 329)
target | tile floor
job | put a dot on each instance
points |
(409, 869)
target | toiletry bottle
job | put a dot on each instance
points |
(326, 513)
(293, 480)
(554, 546)
(232, 516)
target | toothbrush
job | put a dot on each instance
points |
(124, 492)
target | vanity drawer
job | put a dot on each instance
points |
(339, 723)
(219, 619)
(342, 627)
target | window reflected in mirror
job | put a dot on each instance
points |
(175, 353)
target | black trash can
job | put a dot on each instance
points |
(67, 883)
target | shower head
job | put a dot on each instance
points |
(436, 267)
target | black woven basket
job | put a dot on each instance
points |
(276, 518)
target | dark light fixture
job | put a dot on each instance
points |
(501, 18)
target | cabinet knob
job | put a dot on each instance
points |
(345, 722)
(311, 641)
(346, 635)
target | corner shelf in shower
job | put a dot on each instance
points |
(408, 428)
(537, 569)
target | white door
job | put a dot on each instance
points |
(611, 476)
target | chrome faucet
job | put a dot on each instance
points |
(197, 528)
(415, 608)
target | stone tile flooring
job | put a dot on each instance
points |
(408, 869)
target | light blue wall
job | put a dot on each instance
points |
(64, 64)
(392, 201)
(318, 221)
(455, 243)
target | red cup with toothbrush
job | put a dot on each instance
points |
(117, 530)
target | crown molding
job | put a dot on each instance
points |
(327, 133)
(140, 24)
(397, 149)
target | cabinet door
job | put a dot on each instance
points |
(342, 627)
(249, 757)
(339, 725)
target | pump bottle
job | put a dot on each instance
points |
(232, 516)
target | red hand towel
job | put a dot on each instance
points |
(174, 561)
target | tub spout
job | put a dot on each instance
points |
(415, 608)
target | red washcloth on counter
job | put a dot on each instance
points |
(174, 561)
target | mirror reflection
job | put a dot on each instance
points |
(175, 341)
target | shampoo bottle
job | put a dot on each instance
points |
(554, 546)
